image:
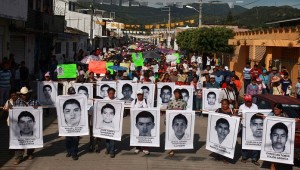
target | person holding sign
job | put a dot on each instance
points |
(24, 123)
(72, 112)
(222, 127)
(110, 144)
(256, 124)
(144, 120)
(176, 104)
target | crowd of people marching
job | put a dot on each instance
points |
(198, 71)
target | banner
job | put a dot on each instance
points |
(278, 140)
(72, 115)
(180, 126)
(145, 126)
(26, 128)
(47, 93)
(210, 98)
(253, 128)
(222, 133)
(98, 67)
(137, 59)
(109, 64)
(108, 119)
(66, 71)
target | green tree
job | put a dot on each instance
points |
(210, 40)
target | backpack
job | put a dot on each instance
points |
(136, 101)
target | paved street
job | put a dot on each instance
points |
(52, 156)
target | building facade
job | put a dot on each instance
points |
(274, 47)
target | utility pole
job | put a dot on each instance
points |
(169, 25)
(200, 13)
(92, 25)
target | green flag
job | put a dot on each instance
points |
(137, 60)
(109, 64)
(66, 71)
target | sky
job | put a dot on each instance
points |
(244, 3)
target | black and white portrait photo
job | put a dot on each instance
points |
(179, 129)
(222, 134)
(145, 125)
(108, 119)
(164, 94)
(85, 89)
(187, 95)
(26, 128)
(126, 91)
(210, 99)
(72, 115)
(148, 90)
(102, 87)
(278, 140)
(47, 92)
(253, 128)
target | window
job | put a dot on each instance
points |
(57, 47)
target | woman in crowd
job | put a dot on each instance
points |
(225, 109)
(176, 104)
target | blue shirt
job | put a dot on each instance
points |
(5, 76)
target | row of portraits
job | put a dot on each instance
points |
(272, 135)
(26, 124)
(125, 90)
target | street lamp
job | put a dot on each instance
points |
(199, 11)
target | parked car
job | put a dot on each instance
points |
(291, 106)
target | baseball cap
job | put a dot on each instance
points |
(248, 98)
(212, 76)
(226, 68)
(140, 91)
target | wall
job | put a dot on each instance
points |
(14, 9)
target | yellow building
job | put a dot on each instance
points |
(274, 47)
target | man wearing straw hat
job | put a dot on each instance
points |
(24, 101)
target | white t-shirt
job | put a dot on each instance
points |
(243, 107)
(140, 104)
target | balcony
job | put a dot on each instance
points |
(44, 22)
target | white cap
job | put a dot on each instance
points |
(140, 91)
(226, 68)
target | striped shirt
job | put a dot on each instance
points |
(21, 103)
(5, 76)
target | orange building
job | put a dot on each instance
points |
(274, 47)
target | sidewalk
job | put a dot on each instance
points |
(52, 156)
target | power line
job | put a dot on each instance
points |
(250, 3)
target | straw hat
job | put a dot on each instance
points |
(24, 90)
(275, 79)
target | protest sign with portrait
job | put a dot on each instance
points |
(126, 91)
(164, 94)
(210, 98)
(47, 93)
(149, 90)
(103, 86)
(72, 115)
(187, 95)
(26, 128)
